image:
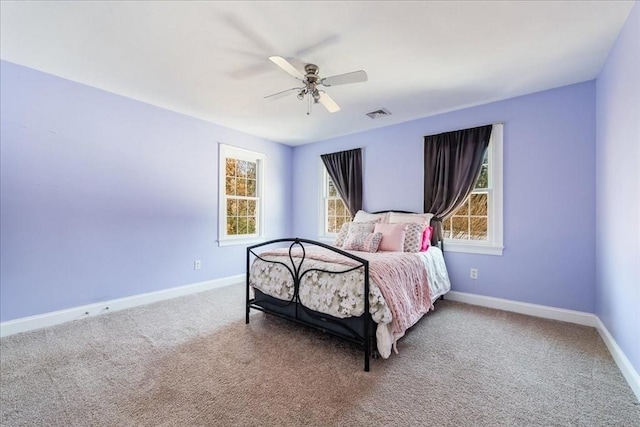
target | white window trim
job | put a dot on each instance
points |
(323, 236)
(242, 154)
(495, 244)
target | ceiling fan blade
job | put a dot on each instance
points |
(282, 94)
(330, 39)
(328, 103)
(343, 79)
(285, 65)
(247, 31)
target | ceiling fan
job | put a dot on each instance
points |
(310, 82)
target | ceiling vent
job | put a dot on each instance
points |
(378, 113)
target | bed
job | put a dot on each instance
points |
(324, 286)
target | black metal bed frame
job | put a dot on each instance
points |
(358, 330)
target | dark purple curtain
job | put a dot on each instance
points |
(452, 163)
(345, 170)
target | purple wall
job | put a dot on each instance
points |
(549, 192)
(104, 197)
(618, 191)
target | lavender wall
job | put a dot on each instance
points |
(104, 197)
(618, 191)
(549, 192)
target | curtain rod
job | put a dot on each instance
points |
(470, 127)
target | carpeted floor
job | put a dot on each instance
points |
(193, 361)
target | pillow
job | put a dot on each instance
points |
(342, 234)
(352, 227)
(365, 242)
(362, 216)
(426, 238)
(413, 237)
(397, 217)
(392, 236)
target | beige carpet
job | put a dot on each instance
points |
(193, 361)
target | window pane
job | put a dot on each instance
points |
(251, 226)
(232, 207)
(232, 226)
(483, 178)
(340, 208)
(230, 186)
(242, 207)
(478, 229)
(332, 208)
(241, 168)
(478, 204)
(241, 186)
(332, 225)
(331, 189)
(251, 207)
(252, 170)
(242, 225)
(460, 227)
(463, 210)
(251, 188)
(230, 166)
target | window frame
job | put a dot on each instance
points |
(494, 243)
(323, 225)
(229, 151)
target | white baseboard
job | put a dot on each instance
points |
(564, 315)
(56, 317)
(629, 373)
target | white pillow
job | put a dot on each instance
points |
(397, 217)
(362, 216)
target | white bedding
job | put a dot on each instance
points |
(341, 295)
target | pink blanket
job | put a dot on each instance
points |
(401, 277)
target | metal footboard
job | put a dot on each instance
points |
(358, 330)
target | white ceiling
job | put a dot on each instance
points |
(210, 59)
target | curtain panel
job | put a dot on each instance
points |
(452, 163)
(345, 170)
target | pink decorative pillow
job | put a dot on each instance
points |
(392, 236)
(365, 242)
(426, 238)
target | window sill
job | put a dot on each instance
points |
(469, 248)
(241, 241)
(327, 239)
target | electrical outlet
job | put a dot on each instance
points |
(474, 273)
(197, 264)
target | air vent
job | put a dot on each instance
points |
(378, 113)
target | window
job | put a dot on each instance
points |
(476, 226)
(241, 201)
(334, 211)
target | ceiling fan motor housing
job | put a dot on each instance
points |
(311, 75)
